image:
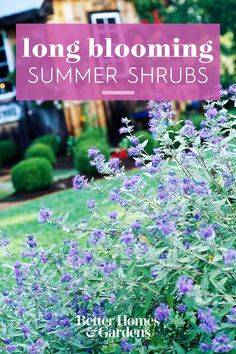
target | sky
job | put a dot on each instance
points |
(10, 7)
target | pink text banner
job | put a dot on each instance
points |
(117, 61)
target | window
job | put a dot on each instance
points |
(105, 17)
(6, 65)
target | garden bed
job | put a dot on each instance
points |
(64, 163)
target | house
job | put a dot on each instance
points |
(23, 120)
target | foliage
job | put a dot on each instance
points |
(41, 150)
(166, 254)
(189, 11)
(93, 133)
(197, 119)
(32, 174)
(51, 140)
(8, 151)
(81, 159)
(142, 136)
(228, 59)
(71, 142)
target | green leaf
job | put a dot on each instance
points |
(178, 348)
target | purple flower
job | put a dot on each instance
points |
(211, 112)
(181, 308)
(184, 285)
(208, 322)
(88, 257)
(163, 194)
(131, 182)
(221, 344)
(154, 272)
(31, 242)
(126, 130)
(166, 227)
(44, 215)
(64, 333)
(86, 297)
(163, 255)
(136, 225)
(91, 203)
(25, 330)
(232, 89)
(48, 316)
(162, 312)
(98, 311)
(10, 348)
(114, 195)
(66, 277)
(189, 129)
(44, 257)
(7, 340)
(125, 120)
(204, 347)
(4, 242)
(113, 164)
(208, 231)
(205, 133)
(123, 130)
(93, 152)
(135, 151)
(197, 216)
(127, 237)
(96, 236)
(36, 348)
(230, 256)
(134, 140)
(80, 182)
(108, 267)
(143, 247)
(113, 215)
(229, 180)
(232, 315)
(126, 346)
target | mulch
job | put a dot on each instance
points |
(64, 162)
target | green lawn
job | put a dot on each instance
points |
(21, 220)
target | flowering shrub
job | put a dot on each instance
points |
(166, 252)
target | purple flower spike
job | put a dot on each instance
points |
(162, 312)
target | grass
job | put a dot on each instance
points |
(22, 219)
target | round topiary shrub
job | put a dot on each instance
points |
(50, 140)
(144, 135)
(8, 150)
(32, 174)
(93, 133)
(81, 159)
(41, 150)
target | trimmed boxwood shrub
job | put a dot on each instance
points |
(93, 133)
(8, 151)
(50, 140)
(32, 174)
(81, 159)
(41, 150)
